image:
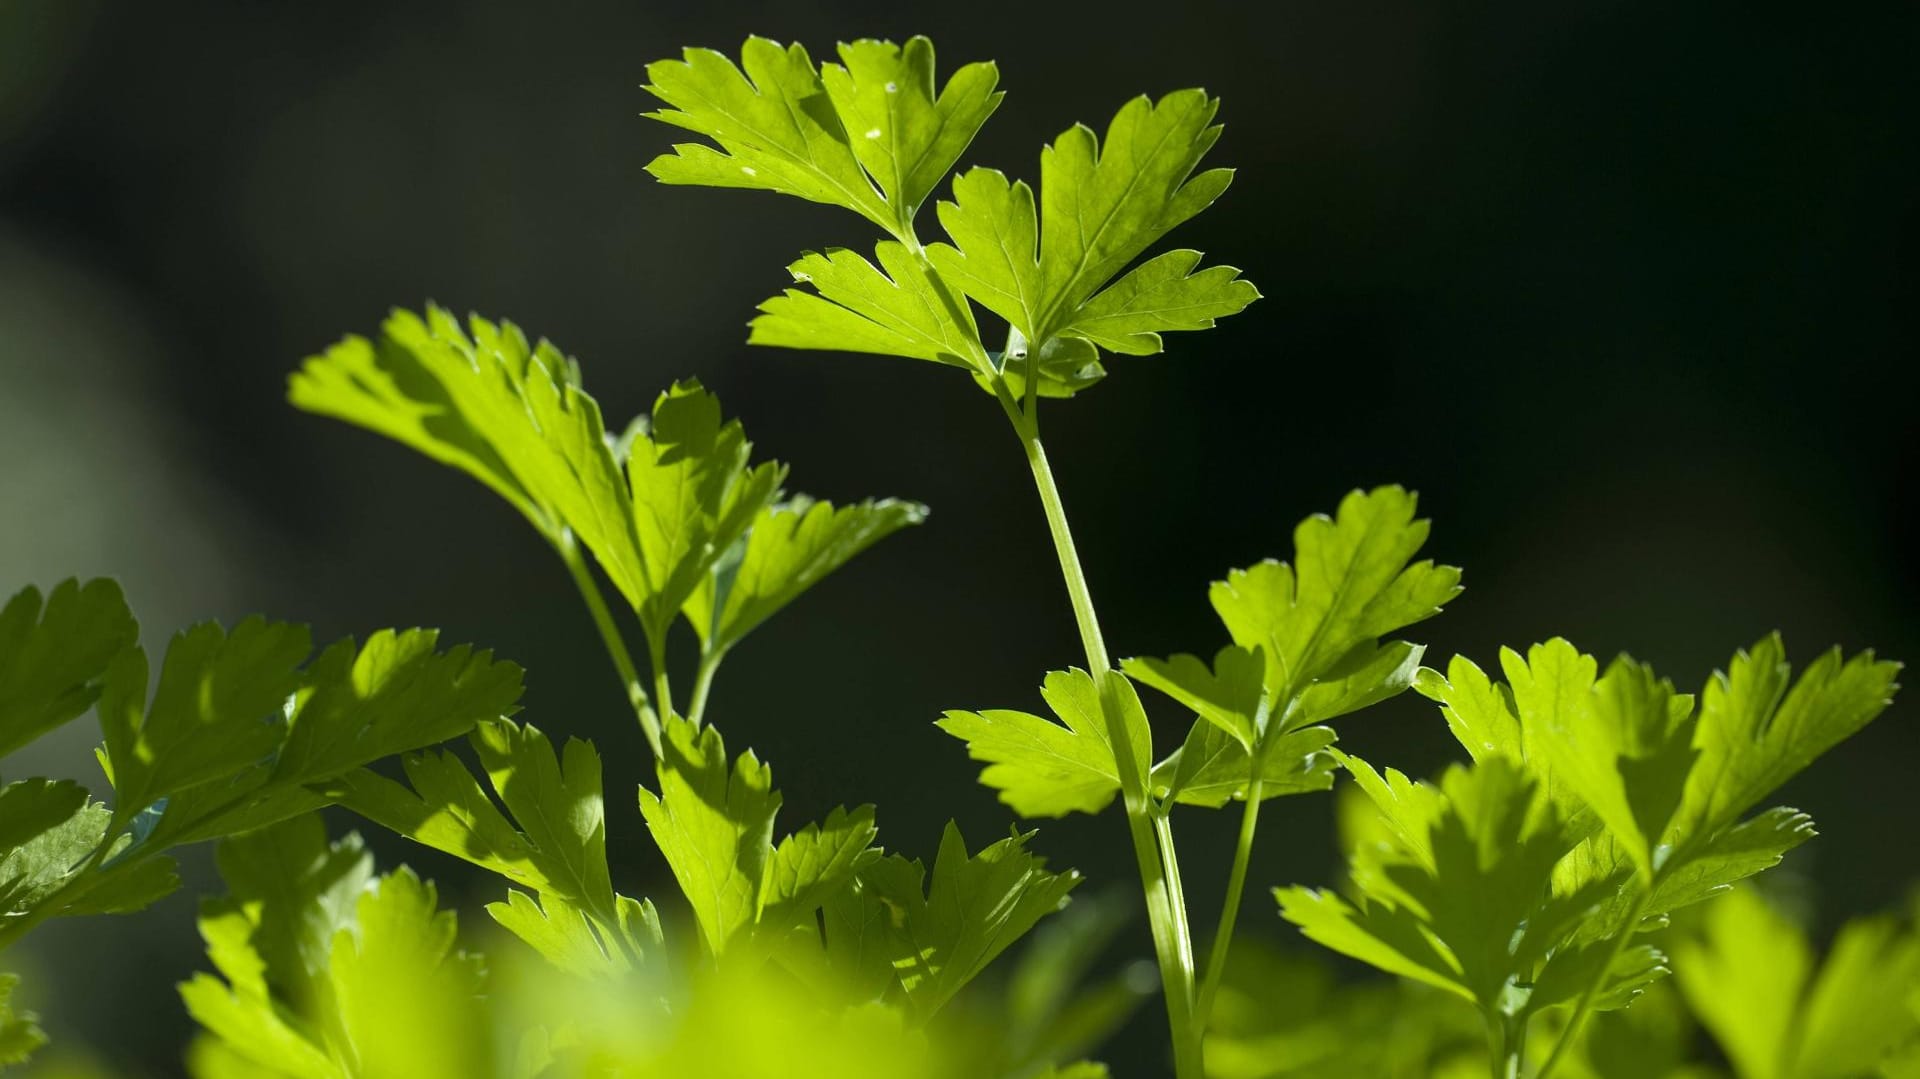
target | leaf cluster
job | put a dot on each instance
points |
(1597, 803)
(876, 134)
(242, 729)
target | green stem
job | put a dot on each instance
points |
(662, 685)
(1581, 1008)
(1506, 1045)
(1166, 917)
(610, 635)
(1230, 910)
(703, 684)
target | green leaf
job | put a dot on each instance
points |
(1749, 974)
(1859, 1008)
(1743, 977)
(906, 137)
(1624, 748)
(1755, 733)
(31, 873)
(774, 123)
(1047, 769)
(1230, 694)
(54, 656)
(32, 806)
(556, 799)
(694, 496)
(560, 932)
(1479, 711)
(395, 694)
(20, 1033)
(1163, 293)
(715, 827)
(217, 709)
(409, 1002)
(1468, 908)
(1211, 768)
(449, 813)
(1104, 205)
(511, 414)
(271, 940)
(296, 890)
(812, 865)
(895, 309)
(1351, 583)
(971, 911)
(791, 546)
(1711, 868)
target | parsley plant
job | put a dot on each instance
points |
(1541, 890)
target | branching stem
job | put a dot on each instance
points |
(569, 551)
(1152, 847)
(1230, 910)
(1581, 1008)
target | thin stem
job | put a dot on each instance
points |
(1585, 1004)
(1176, 893)
(1166, 917)
(703, 684)
(1230, 910)
(610, 634)
(662, 685)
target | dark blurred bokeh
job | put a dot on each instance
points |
(1626, 290)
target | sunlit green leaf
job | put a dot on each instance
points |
(1104, 202)
(790, 547)
(714, 824)
(1755, 732)
(971, 910)
(1046, 769)
(905, 135)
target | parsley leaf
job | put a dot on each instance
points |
(871, 136)
(790, 546)
(905, 136)
(1750, 975)
(774, 123)
(714, 824)
(1755, 732)
(32, 806)
(393, 694)
(694, 496)
(216, 710)
(816, 863)
(557, 849)
(1211, 768)
(1103, 206)
(1047, 769)
(1353, 581)
(54, 655)
(1466, 907)
(364, 980)
(971, 910)
(895, 309)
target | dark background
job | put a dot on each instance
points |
(1626, 290)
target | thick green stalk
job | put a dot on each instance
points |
(1171, 940)
(1571, 1031)
(1230, 910)
(1506, 1045)
(610, 635)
